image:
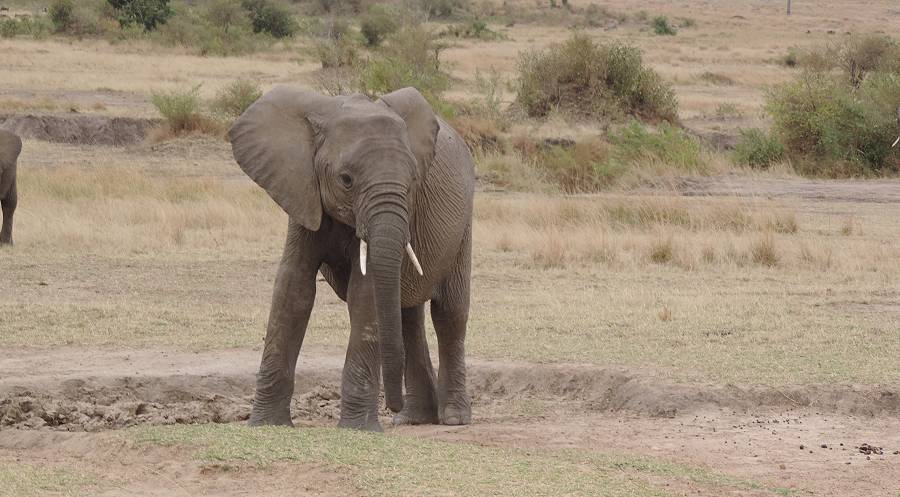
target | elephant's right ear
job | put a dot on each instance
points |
(275, 144)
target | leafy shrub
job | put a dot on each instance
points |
(410, 58)
(36, 27)
(234, 99)
(210, 32)
(757, 149)
(182, 110)
(832, 128)
(146, 13)
(272, 18)
(476, 29)
(582, 77)
(337, 53)
(378, 23)
(670, 146)
(227, 15)
(61, 14)
(661, 26)
(442, 9)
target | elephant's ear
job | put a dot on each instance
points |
(275, 144)
(421, 122)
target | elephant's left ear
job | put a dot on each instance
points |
(421, 122)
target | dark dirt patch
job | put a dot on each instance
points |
(79, 129)
(97, 390)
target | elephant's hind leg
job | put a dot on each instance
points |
(450, 313)
(420, 404)
(8, 206)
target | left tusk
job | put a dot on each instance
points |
(896, 142)
(414, 259)
(363, 251)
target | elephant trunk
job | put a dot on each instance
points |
(388, 235)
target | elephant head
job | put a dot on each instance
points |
(358, 162)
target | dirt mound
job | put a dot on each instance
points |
(103, 390)
(79, 129)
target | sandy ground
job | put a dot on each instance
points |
(772, 439)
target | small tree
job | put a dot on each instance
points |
(272, 18)
(225, 14)
(147, 13)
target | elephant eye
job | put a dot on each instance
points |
(346, 180)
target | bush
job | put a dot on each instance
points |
(272, 18)
(378, 23)
(757, 149)
(410, 58)
(61, 14)
(442, 9)
(211, 32)
(661, 26)
(476, 29)
(182, 110)
(669, 146)
(36, 27)
(227, 15)
(234, 99)
(337, 53)
(146, 13)
(831, 128)
(585, 78)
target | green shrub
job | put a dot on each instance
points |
(442, 9)
(234, 99)
(227, 15)
(210, 32)
(271, 18)
(378, 23)
(670, 146)
(832, 128)
(409, 58)
(36, 27)
(757, 149)
(661, 26)
(146, 13)
(337, 53)
(476, 29)
(182, 110)
(585, 78)
(61, 13)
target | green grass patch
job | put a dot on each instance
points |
(385, 465)
(24, 480)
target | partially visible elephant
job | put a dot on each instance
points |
(379, 198)
(10, 147)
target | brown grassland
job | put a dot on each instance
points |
(751, 285)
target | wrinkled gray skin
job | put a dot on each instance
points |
(10, 147)
(389, 172)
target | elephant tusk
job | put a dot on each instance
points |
(363, 252)
(414, 259)
(896, 142)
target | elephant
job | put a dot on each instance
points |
(10, 148)
(379, 200)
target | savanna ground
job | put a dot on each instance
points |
(726, 335)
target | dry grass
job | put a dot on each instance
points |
(109, 255)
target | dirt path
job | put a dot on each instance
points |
(885, 191)
(747, 433)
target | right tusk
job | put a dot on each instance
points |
(896, 142)
(414, 259)
(363, 252)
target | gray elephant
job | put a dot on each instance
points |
(10, 147)
(367, 186)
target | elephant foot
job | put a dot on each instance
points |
(457, 412)
(270, 418)
(363, 423)
(416, 415)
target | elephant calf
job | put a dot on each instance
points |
(379, 196)
(10, 147)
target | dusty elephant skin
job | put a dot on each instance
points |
(379, 196)
(10, 147)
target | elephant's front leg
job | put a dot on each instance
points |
(360, 380)
(420, 403)
(292, 302)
